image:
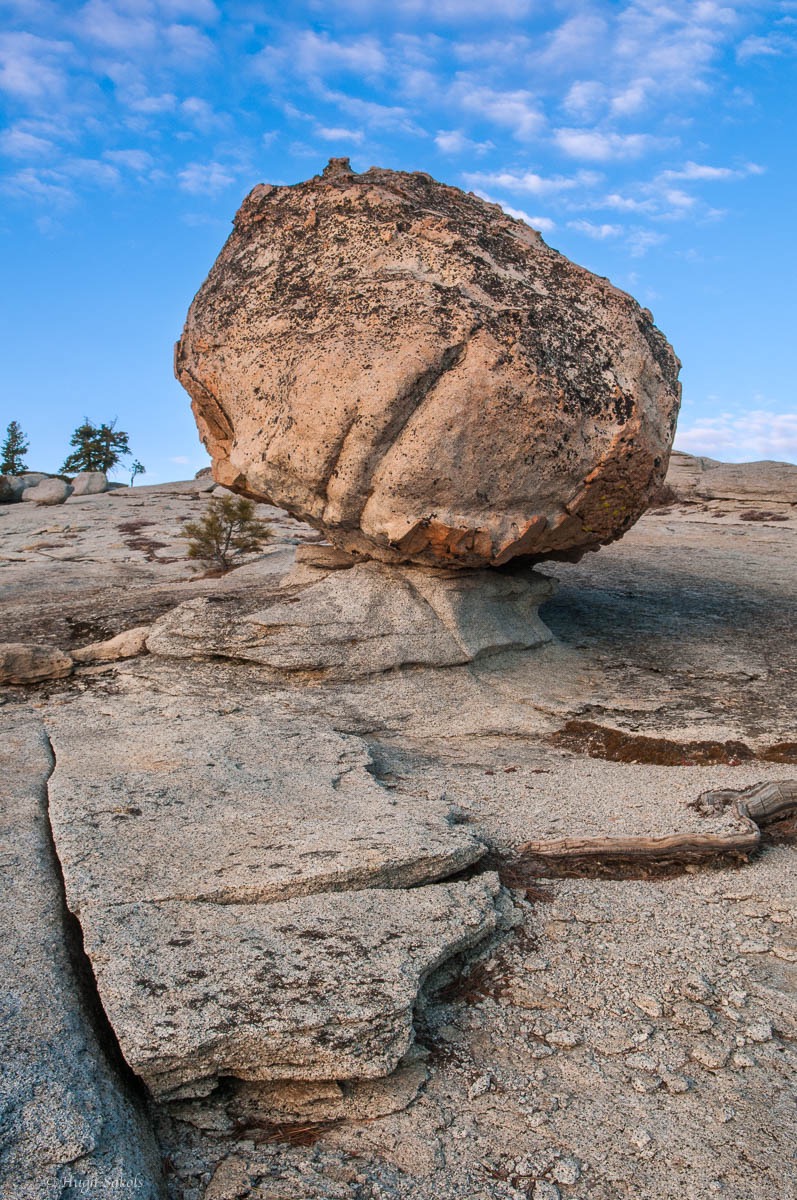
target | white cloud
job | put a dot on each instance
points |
(702, 171)
(454, 141)
(585, 98)
(633, 97)
(134, 160)
(195, 10)
(31, 67)
(674, 43)
(319, 54)
(447, 10)
(388, 117)
(544, 224)
(774, 45)
(627, 203)
(201, 114)
(532, 183)
(575, 41)
(205, 178)
(91, 171)
(46, 186)
(337, 133)
(150, 105)
(596, 146)
(741, 437)
(104, 23)
(639, 241)
(17, 143)
(517, 111)
(599, 232)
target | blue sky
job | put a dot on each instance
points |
(653, 142)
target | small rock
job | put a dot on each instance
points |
(759, 1031)
(693, 1016)
(648, 1005)
(543, 1190)
(676, 1084)
(125, 645)
(27, 662)
(231, 1180)
(646, 1083)
(710, 1054)
(742, 1060)
(536, 963)
(565, 1039)
(480, 1086)
(642, 1062)
(754, 946)
(49, 491)
(697, 987)
(640, 1138)
(567, 1170)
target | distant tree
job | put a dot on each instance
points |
(96, 448)
(136, 469)
(13, 450)
(228, 529)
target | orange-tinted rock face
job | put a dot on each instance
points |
(419, 375)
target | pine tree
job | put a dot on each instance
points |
(13, 450)
(96, 448)
(137, 468)
(228, 529)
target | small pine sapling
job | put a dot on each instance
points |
(228, 529)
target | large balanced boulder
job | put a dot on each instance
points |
(420, 376)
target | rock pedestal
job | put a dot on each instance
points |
(345, 620)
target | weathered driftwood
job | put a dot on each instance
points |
(755, 806)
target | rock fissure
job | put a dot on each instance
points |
(73, 1116)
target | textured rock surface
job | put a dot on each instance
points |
(316, 987)
(249, 893)
(260, 802)
(418, 374)
(28, 662)
(69, 1124)
(49, 491)
(638, 1035)
(364, 620)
